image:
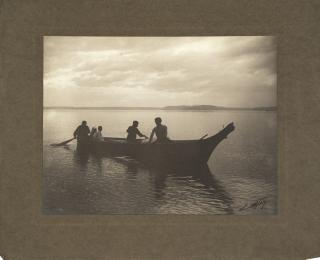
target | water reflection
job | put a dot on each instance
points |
(200, 174)
(97, 164)
(81, 157)
(92, 184)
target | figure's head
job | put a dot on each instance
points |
(135, 123)
(84, 123)
(100, 128)
(158, 120)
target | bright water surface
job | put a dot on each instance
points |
(241, 171)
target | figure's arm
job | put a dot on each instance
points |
(75, 133)
(165, 131)
(140, 134)
(151, 136)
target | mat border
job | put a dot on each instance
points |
(292, 234)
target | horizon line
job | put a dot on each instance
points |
(152, 107)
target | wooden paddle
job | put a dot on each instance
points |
(63, 143)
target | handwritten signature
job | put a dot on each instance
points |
(259, 204)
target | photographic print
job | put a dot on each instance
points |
(160, 125)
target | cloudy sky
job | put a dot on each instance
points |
(159, 71)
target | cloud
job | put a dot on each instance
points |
(176, 66)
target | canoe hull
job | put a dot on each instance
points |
(171, 152)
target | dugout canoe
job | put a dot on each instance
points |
(173, 151)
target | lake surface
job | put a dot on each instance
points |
(241, 171)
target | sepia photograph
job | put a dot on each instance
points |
(160, 125)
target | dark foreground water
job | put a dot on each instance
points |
(240, 172)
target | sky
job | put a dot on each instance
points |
(236, 71)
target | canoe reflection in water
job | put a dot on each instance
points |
(197, 176)
(155, 190)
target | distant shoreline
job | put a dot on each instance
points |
(171, 108)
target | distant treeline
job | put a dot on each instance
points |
(198, 107)
(209, 107)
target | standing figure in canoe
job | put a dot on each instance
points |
(133, 131)
(82, 133)
(161, 132)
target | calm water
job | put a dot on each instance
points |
(241, 171)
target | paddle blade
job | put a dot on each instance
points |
(63, 143)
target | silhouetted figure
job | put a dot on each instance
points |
(133, 131)
(160, 131)
(81, 133)
(98, 135)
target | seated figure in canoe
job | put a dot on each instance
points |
(93, 132)
(133, 131)
(82, 133)
(161, 132)
(97, 136)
